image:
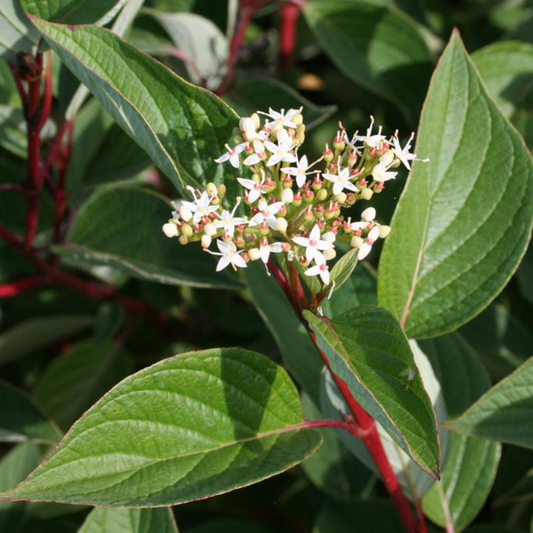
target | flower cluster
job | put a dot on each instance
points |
(292, 206)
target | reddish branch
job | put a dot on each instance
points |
(9, 290)
(365, 425)
(289, 24)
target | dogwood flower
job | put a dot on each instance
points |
(313, 245)
(229, 256)
(232, 155)
(282, 150)
(258, 155)
(341, 181)
(372, 237)
(367, 217)
(200, 208)
(381, 173)
(404, 154)
(267, 214)
(228, 220)
(281, 119)
(301, 170)
(320, 269)
(256, 188)
(266, 248)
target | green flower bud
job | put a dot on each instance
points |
(366, 194)
(322, 195)
(187, 230)
(183, 240)
(341, 198)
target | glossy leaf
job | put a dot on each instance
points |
(73, 11)
(129, 521)
(503, 413)
(182, 128)
(21, 420)
(190, 427)
(17, 34)
(472, 463)
(507, 70)
(77, 379)
(31, 335)
(342, 270)
(453, 246)
(368, 350)
(121, 228)
(363, 40)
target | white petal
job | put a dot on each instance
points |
(313, 271)
(337, 188)
(264, 252)
(364, 251)
(276, 247)
(301, 241)
(257, 220)
(315, 233)
(323, 245)
(222, 158)
(238, 261)
(271, 147)
(249, 184)
(274, 160)
(235, 161)
(373, 234)
(301, 179)
(253, 195)
(222, 263)
(324, 275)
(251, 160)
(289, 158)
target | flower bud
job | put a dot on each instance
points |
(254, 254)
(264, 229)
(298, 119)
(308, 216)
(206, 241)
(329, 254)
(309, 196)
(287, 196)
(257, 120)
(317, 184)
(350, 199)
(185, 213)
(287, 182)
(210, 230)
(170, 230)
(221, 189)
(339, 144)
(366, 194)
(211, 189)
(387, 158)
(297, 202)
(281, 224)
(186, 230)
(341, 198)
(329, 236)
(384, 232)
(368, 215)
(322, 194)
(357, 242)
(183, 240)
(379, 187)
(328, 155)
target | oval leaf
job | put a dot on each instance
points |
(504, 413)
(121, 228)
(73, 11)
(190, 427)
(369, 351)
(129, 521)
(464, 219)
(182, 128)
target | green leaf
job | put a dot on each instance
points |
(76, 379)
(300, 356)
(342, 270)
(230, 525)
(453, 245)
(369, 351)
(73, 11)
(31, 335)
(507, 70)
(204, 45)
(190, 427)
(364, 41)
(14, 467)
(21, 420)
(16, 32)
(253, 94)
(469, 472)
(504, 413)
(129, 521)
(121, 228)
(182, 128)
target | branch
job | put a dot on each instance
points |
(9, 290)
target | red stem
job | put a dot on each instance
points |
(9, 290)
(289, 27)
(364, 423)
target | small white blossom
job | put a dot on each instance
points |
(281, 151)
(228, 220)
(267, 214)
(320, 269)
(201, 207)
(372, 237)
(170, 230)
(381, 173)
(266, 248)
(258, 155)
(229, 256)
(404, 154)
(281, 119)
(232, 155)
(256, 188)
(341, 181)
(301, 170)
(314, 245)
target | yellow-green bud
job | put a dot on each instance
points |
(330, 254)
(281, 225)
(170, 230)
(211, 189)
(186, 230)
(210, 230)
(322, 194)
(254, 254)
(183, 240)
(206, 241)
(357, 242)
(340, 198)
(366, 194)
(308, 216)
(257, 120)
(298, 119)
(384, 232)
(221, 190)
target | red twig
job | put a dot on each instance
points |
(48, 94)
(363, 422)
(9, 290)
(289, 26)
(7, 187)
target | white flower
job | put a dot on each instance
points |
(367, 217)
(267, 213)
(381, 173)
(320, 269)
(201, 207)
(228, 220)
(373, 141)
(372, 237)
(256, 188)
(301, 170)
(313, 245)
(229, 256)
(258, 156)
(265, 249)
(232, 154)
(287, 196)
(170, 230)
(403, 154)
(281, 119)
(341, 181)
(282, 150)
